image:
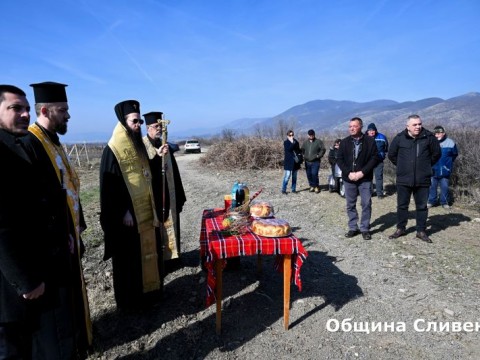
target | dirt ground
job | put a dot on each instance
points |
(390, 289)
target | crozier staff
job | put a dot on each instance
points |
(167, 185)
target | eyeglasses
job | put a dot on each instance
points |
(136, 121)
(156, 127)
(291, 134)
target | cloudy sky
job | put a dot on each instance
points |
(208, 62)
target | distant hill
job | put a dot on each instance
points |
(389, 116)
(332, 116)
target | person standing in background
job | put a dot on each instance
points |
(290, 166)
(413, 151)
(442, 170)
(313, 151)
(357, 157)
(382, 148)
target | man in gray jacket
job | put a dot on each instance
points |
(413, 152)
(313, 151)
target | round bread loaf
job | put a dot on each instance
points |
(261, 209)
(271, 227)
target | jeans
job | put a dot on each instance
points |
(420, 195)
(312, 168)
(378, 172)
(432, 197)
(286, 177)
(352, 191)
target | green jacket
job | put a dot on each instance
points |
(313, 150)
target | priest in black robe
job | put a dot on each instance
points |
(57, 180)
(167, 187)
(128, 217)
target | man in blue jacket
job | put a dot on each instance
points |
(442, 169)
(382, 147)
(413, 152)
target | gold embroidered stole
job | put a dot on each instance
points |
(68, 179)
(136, 174)
(171, 248)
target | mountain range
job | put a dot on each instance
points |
(331, 116)
(388, 115)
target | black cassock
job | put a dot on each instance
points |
(122, 243)
(171, 204)
(34, 248)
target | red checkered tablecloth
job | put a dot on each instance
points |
(215, 245)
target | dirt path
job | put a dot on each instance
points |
(396, 286)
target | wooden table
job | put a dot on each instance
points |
(216, 246)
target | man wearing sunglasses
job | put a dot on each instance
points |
(167, 185)
(128, 217)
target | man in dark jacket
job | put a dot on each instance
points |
(357, 156)
(313, 151)
(290, 166)
(413, 152)
(21, 282)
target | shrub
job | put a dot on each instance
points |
(244, 154)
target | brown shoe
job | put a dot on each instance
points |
(397, 234)
(424, 237)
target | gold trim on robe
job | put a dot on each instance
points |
(137, 176)
(170, 244)
(67, 178)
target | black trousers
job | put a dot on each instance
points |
(420, 195)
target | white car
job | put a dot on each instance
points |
(192, 146)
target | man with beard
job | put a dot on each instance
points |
(59, 184)
(128, 217)
(43, 299)
(169, 195)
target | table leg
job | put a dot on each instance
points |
(218, 295)
(287, 274)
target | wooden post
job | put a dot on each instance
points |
(218, 295)
(287, 274)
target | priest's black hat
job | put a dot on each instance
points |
(49, 92)
(126, 107)
(153, 117)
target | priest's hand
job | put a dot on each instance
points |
(128, 219)
(35, 293)
(162, 150)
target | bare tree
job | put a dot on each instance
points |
(228, 135)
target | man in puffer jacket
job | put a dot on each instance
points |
(382, 146)
(442, 169)
(413, 152)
